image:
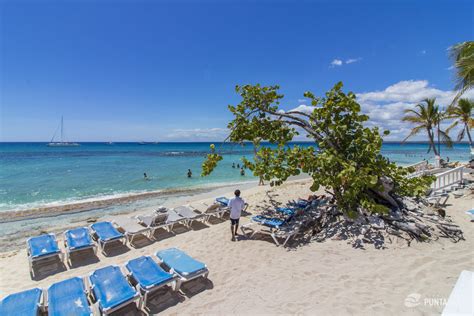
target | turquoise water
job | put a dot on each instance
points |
(32, 174)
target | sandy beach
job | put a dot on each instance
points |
(255, 277)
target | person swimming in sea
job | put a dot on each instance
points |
(233, 165)
(190, 174)
(242, 171)
(145, 176)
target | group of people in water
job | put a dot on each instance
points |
(242, 171)
(190, 173)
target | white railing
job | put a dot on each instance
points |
(420, 169)
(448, 179)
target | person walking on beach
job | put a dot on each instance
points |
(190, 174)
(236, 205)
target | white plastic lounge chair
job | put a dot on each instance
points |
(461, 299)
(184, 266)
(111, 290)
(130, 227)
(42, 247)
(68, 297)
(105, 233)
(165, 220)
(24, 303)
(189, 214)
(215, 209)
(149, 277)
(78, 239)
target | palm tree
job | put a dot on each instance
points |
(427, 116)
(463, 57)
(462, 114)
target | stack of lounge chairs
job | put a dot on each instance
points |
(108, 289)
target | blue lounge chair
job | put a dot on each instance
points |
(68, 297)
(471, 213)
(25, 303)
(186, 267)
(277, 228)
(287, 211)
(111, 289)
(223, 201)
(76, 240)
(105, 233)
(42, 247)
(149, 277)
(271, 222)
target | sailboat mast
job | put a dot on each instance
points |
(62, 139)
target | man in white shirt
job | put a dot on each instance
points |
(236, 206)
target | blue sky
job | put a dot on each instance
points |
(166, 71)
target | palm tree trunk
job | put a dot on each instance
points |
(432, 143)
(468, 134)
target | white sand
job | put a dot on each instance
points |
(256, 277)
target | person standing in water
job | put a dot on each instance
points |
(233, 165)
(236, 205)
(145, 176)
(190, 174)
(242, 171)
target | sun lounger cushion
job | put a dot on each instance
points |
(180, 261)
(21, 304)
(68, 298)
(110, 287)
(286, 210)
(147, 272)
(268, 221)
(43, 245)
(106, 231)
(78, 238)
(223, 200)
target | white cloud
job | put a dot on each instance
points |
(302, 100)
(336, 62)
(353, 60)
(308, 109)
(386, 107)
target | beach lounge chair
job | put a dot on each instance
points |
(180, 263)
(130, 227)
(105, 233)
(68, 297)
(149, 277)
(42, 247)
(78, 239)
(158, 220)
(189, 214)
(277, 228)
(471, 213)
(24, 303)
(223, 201)
(215, 209)
(461, 300)
(111, 290)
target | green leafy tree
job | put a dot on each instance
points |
(463, 57)
(427, 115)
(462, 115)
(345, 158)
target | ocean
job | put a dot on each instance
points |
(62, 187)
(34, 175)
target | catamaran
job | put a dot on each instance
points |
(61, 143)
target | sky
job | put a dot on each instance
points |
(166, 70)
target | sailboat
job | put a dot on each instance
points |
(61, 143)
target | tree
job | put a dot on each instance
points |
(463, 57)
(462, 114)
(346, 157)
(427, 116)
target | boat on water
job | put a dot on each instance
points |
(61, 142)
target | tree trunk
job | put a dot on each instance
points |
(466, 126)
(432, 143)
